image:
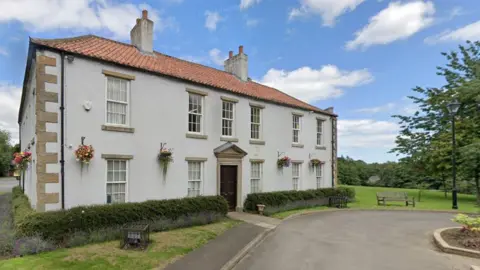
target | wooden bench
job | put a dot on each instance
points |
(390, 196)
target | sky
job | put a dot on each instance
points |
(362, 57)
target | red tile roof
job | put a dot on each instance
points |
(127, 55)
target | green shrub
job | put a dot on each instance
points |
(58, 225)
(280, 198)
(20, 206)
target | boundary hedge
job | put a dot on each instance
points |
(58, 225)
(277, 199)
(21, 207)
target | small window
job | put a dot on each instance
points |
(117, 101)
(319, 174)
(255, 122)
(117, 172)
(320, 131)
(195, 113)
(295, 175)
(255, 176)
(195, 176)
(227, 118)
(296, 128)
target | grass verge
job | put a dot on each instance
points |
(165, 248)
(365, 198)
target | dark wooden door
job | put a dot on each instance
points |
(228, 185)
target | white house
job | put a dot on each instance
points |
(226, 131)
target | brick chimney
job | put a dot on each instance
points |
(237, 64)
(141, 34)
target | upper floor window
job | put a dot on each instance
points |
(255, 122)
(195, 176)
(117, 172)
(117, 101)
(195, 113)
(227, 118)
(320, 131)
(296, 128)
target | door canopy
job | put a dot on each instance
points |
(229, 150)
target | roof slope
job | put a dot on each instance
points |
(126, 54)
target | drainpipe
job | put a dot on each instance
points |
(62, 129)
(334, 150)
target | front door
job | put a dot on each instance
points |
(228, 185)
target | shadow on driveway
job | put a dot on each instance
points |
(7, 183)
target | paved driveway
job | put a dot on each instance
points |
(7, 183)
(360, 240)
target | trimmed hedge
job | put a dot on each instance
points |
(58, 225)
(21, 207)
(281, 198)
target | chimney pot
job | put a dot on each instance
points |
(144, 14)
(240, 49)
(230, 54)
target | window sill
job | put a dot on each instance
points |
(196, 136)
(228, 139)
(257, 142)
(298, 145)
(320, 147)
(118, 129)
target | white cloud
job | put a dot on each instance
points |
(366, 133)
(3, 51)
(244, 4)
(252, 22)
(383, 108)
(217, 57)
(397, 21)
(329, 10)
(9, 103)
(80, 15)
(467, 32)
(213, 18)
(311, 85)
(456, 11)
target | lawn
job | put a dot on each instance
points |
(165, 248)
(365, 198)
(430, 200)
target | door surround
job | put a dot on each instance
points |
(231, 155)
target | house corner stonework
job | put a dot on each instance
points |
(46, 136)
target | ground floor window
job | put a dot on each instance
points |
(319, 174)
(295, 175)
(255, 176)
(117, 174)
(195, 176)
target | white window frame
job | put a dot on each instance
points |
(260, 124)
(259, 178)
(127, 115)
(299, 129)
(320, 126)
(298, 177)
(200, 189)
(127, 167)
(232, 120)
(319, 178)
(202, 114)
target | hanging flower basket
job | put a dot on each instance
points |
(283, 162)
(165, 157)
(314, 162)
(84, 154)
(22, 159)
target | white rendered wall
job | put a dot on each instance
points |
(158, 112)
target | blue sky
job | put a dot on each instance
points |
(360, 56)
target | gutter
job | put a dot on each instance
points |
(62, 128)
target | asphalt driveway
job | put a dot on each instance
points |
(7, 183)
(360, 240)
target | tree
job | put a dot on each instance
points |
(5, 152)
(425, 136)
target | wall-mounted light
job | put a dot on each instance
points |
(70, 58)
